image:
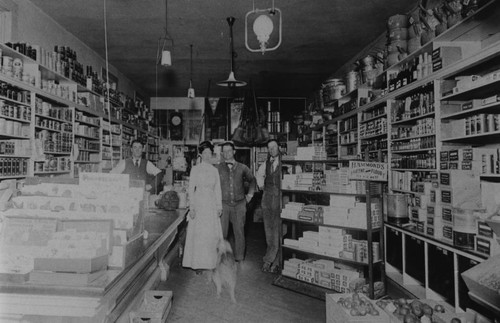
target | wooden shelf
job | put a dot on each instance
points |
(57, 152)
(12, 176)
(52, 118)
(53, 172)
(4, 98)
(414, 137)
(87, 137)
(87, 123)
(86, 162)
(414, 169)
(14, 119)
(411, 120)
(492, 107)
(319, 192)
(373, 136)
(493, 134)
(478, 91)
(337, 161)
(329, 225)
(409, 151)
(53, 130)
(330, 257)
(4, 135)
(89, 150)
(407, 229)
(374, 118)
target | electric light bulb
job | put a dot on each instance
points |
(263, 27)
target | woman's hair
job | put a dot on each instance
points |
(204, 145)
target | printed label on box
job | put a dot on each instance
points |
(444, 179)
(446, 197)
(447, 215)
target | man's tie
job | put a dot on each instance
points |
(271, 159)
(136, 163)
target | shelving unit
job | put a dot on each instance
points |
(435, 155)
(365, 231)
(67, 121)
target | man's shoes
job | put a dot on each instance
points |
(266, 267)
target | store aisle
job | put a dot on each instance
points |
(258, 300)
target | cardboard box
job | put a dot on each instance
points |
(65, 279)
(335, 313)
(76, 265)
(444, 56)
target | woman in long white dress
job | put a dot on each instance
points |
(205, 207)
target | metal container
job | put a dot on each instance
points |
(396, 208)
(352, 81)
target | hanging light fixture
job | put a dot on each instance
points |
(164, 57)
(191, 89)
(263, 27)
(231, 80)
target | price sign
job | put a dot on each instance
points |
(368, 171)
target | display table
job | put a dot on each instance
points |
(109, 298)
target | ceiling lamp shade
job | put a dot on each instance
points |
(191, 89)
(263, 27)
(231, 80)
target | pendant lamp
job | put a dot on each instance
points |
(191, 89)
(231, 80)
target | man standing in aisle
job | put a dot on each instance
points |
(268, 180)
(137, 167)
(233, 176)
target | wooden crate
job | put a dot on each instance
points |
(154, 307)
(336, 313)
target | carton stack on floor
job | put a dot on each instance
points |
(320, 272)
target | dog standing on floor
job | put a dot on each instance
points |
(224, 274)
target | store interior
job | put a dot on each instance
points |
(386, 116)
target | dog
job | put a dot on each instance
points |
(224, 274)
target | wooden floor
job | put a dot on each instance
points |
(257, 299)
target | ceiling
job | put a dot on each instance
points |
(318, 37)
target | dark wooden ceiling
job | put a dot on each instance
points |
(319, 36)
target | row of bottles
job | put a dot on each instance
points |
(412, 144)
(67, 64)
(374, 145)
(422, 127)
(415, 161)
(14, 93)
(414, 105)
(418, 68)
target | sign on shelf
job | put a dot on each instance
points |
(368, 171)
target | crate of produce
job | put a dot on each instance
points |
(360, 309)
(483, 280)
(403, 310)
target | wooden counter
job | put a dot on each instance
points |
(108, 299)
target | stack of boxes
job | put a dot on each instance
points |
(320, 272)
(334, 242)
(343, 211)
(333, 180)
(311, 152)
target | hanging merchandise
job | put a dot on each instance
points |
(252, 128)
